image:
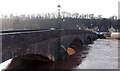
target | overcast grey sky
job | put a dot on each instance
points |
(104, 7)
(119, 10)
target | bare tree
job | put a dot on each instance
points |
(99, 16)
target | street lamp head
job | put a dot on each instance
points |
(59, 10)
(59, 6)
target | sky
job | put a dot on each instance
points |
(119, 10)
(106, 8)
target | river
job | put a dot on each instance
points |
(102, 55)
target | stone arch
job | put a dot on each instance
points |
(89, 40)
(76, 42)
(34, 57)
(23, 62)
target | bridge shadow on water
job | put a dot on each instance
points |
(44, 63)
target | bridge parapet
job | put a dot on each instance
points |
(45, 42)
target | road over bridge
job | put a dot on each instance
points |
(49, 43)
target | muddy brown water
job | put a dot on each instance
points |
(71, 62)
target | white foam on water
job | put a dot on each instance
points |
(5, 64)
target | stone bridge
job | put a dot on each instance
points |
(42, 42)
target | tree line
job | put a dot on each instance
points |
(66, 21)
(55, 15)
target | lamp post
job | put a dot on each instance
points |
(59, 22)
(61, 51)
(59, 39)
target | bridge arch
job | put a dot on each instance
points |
(39, 57)
(88, 40)
(76, 42)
